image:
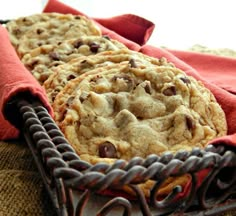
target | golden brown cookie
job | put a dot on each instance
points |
(66, 72)
(40, 60)
(30, 32)
(18, 27)
(131, 110)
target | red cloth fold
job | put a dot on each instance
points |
(129, 26)
(218, 70)
(14, 78)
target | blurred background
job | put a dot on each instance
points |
(180, 24)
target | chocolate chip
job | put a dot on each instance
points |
(83, 96)
(147, 87)
(77, 17)
(133, 63)
(95, 78)
(94, 47)
(77, 44)
(64, 113)
(17, 31)
(83, 61)
(170, 91)
(32, 64)
(39, 31)
(189, 123)
(55, 64)
(54, 94)
(106, 37)
(85, 64)
(107, 150)
(185, 80)
(54, 56)
(116, 105)
(70, 77)
(40, 43)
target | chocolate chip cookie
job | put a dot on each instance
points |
(18, 27)
(30, 32)
(40, 60)
(132, 110)
(64, 73)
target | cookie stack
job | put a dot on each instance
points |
(109, 101)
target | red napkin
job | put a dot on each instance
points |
(215, 69)
(14, 79)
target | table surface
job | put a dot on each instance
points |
(179, 24)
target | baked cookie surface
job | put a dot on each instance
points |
(30, 32)
(40, 60)
(64, 73)
(18, 27)
(129, 110)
